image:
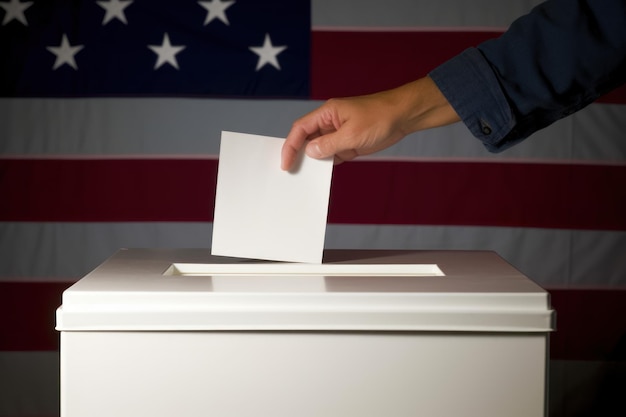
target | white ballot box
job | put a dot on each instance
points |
(156, 333)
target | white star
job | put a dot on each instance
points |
(114, 10)
(65, 53)
(166, 52)
(267, 53)
(15, 10)
(216, 10)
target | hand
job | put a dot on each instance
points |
(350, 127)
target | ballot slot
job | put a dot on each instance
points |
(300, 277)
(300, 269)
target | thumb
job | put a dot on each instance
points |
(322, 147)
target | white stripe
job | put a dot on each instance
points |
(391, 158)
(595, 133)
(587, 388)
(380, 157)
(406, 13)
(554, 258)
(29, 384)
(137, 126)
(180, 127)
(39, 251)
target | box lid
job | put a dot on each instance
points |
(190, 290)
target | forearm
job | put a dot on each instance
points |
(421, 105)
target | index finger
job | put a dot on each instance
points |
(308, 126)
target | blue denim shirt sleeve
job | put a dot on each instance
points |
(472, 88)
(547, 65)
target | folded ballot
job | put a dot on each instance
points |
(263, 212)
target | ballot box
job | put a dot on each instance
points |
(155, 333)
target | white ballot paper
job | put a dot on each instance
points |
(263, 212)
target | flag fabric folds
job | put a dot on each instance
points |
(110, 119)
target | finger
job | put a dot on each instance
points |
(308, 126)
(344, 156)
(293, 143)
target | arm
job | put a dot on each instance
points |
(550, 63)
(350, 127)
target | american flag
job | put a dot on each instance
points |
(110, 119)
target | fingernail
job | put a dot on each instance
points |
(313, 150)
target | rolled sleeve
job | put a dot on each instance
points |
(468, 83)
(550, 63)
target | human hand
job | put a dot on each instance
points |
(349, 127)
(344, 128)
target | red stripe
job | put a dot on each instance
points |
(617, 96)
(363, 192)
(348, 63)
(28, 315)
(107, 189)
(480, 194)
(591, 324)
(354, 63)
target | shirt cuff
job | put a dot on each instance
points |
(470, 86)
